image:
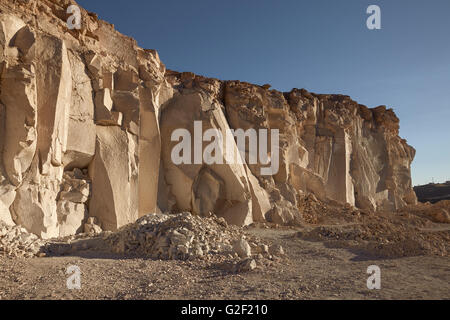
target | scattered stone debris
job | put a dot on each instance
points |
(16, 241)
(440, 215)
(438, 212)
(245, 265)
(183, 236)
(383, 237)
(180, 236)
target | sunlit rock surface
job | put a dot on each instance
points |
(86, 123)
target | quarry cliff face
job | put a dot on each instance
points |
(86, 131)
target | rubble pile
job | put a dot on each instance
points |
(384, 237)
(438, 212)
(16, 241)
(184, 236)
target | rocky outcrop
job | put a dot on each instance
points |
(433, 192)
(89, 123)
(203, 189)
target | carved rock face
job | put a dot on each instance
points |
(86, 123)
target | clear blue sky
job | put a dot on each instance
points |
(321, 45)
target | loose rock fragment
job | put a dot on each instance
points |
(242, 248)
(17, 242)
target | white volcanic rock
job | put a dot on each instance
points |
(80, 147)
(91, 227)
(18, 99)
(242, 248)
(54, 86)
(111, 173)
(86, 120)
(35, 209)
(15, 241)
(331, 146)
(260, 199)
(5, 215)
(220, 188)
(18, 95)
(180, 237)
(71, 217)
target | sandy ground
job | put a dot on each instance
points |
(310, 270)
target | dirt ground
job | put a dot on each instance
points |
(309, 270)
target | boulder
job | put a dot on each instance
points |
(242, 248)
(91, 227)
(71, 217)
